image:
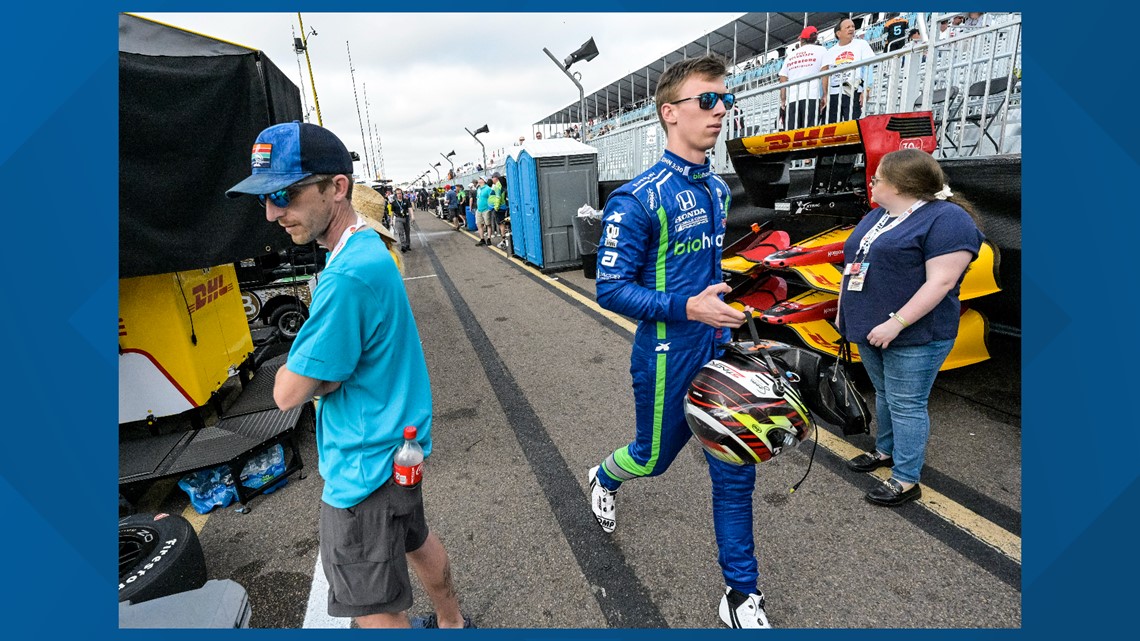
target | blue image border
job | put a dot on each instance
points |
(58, 163)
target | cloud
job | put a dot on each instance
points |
(417, 79)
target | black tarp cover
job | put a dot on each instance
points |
(190, 108)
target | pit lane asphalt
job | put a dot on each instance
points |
(530, 387)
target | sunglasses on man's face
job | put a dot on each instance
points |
(282, 197)
(707, 100)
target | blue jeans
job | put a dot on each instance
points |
(902, 376)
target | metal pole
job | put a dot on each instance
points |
(312, 81)
(581, 91)
(481, 145)
(735, 23)
(368, 166)
(767, 30)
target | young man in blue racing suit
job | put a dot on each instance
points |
(659, 262)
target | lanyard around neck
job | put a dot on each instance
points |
(352, 229)
(883, 227)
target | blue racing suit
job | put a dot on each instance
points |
(661, 244)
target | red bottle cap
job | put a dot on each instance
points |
(410, 432)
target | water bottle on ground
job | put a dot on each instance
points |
(408, 464)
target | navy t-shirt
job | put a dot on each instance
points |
(898, 269)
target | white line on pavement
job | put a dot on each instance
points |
(316, 615)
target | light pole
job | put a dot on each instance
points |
(436, 168)
(312, 81)
(588, 51)
(481, 130)
(448, 159)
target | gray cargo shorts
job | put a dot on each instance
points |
(363, 551)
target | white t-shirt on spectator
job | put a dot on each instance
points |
(976, 23)
(837, 56)
(804, 61)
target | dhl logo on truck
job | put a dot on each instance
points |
(840, 133)
(207, 292)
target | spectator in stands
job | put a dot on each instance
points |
(846, 97)
(914, 36)
(895, 31)
(944, 29)
(735, 120)
(800, 104)
(976, 20)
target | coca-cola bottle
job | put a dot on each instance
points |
(408, 464)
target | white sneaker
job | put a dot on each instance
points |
(602, 502)
(740, 610)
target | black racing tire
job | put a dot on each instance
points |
(159, 555)
(288, 319)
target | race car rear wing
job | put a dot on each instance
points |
(837, 161)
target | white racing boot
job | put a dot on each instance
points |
(740, 610)
(602, 502)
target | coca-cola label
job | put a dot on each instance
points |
(408, 476)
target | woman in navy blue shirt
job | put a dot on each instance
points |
(903, 265)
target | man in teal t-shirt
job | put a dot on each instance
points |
(483, 216)
(360, 352)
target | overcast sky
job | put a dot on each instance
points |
(426, 76)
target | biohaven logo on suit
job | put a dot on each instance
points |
(697, 244)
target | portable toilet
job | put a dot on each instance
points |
(514, 197)
(554, 179)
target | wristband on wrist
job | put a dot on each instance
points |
(900, 319)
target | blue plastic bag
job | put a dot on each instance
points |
(209, 488)
(265, 467)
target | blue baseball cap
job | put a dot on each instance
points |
(286, 153)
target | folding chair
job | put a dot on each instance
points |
(943, 110)
(982, 109)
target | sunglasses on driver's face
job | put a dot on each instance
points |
(708, 99)
(282, 197)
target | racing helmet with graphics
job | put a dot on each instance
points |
(743, 408)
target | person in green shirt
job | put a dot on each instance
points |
(498, 202)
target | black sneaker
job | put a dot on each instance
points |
(429, 622)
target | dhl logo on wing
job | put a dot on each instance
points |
(840, 133)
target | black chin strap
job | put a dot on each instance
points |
(780, 378)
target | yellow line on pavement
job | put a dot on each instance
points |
(197, 521)
(951, 511)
